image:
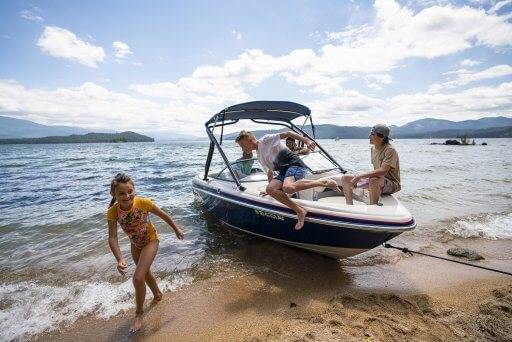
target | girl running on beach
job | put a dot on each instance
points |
(132, 213)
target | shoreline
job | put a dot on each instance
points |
(308, 297)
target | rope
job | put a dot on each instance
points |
(408, 251)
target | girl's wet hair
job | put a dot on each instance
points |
(119, 178)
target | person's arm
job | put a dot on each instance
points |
(381, 171)
(304, 151)
(114, 246)
(270, 175)
(309, 143)
(164, 216)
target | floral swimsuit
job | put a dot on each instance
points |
(135, 222)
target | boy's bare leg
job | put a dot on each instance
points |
(146, 257)
(274, 190)
(375, 188)
(290, 185)
(346, 183)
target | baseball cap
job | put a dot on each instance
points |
(381, 129)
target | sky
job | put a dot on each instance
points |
(168, 66)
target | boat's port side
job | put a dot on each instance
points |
(279, 225)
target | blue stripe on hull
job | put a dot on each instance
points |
(281, 227)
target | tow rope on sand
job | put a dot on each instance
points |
(408, 251)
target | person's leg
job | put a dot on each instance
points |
(150, 279)
(295, 181)
(274, 190)
(146, 257)
(348, 189)
(375, 188)
(293, 186)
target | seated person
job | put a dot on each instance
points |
(385, 177)
(243, 166)
(292, 145)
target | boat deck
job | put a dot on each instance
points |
(389, 208)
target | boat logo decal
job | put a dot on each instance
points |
(270, 215)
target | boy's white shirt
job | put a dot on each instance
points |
(268, 148)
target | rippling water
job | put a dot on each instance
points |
(54, 255)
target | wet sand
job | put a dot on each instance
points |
(290, 295)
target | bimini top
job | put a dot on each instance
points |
(263, 110)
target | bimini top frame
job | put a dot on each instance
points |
(279, 113)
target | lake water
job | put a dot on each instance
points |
(55, 263)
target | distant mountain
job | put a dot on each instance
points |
(424, 128)
(497, 127)
(17, 128)
(85, 138)
(435, 125)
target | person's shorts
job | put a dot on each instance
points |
(298, 172)
(387, 189)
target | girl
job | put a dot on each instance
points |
(132, 213)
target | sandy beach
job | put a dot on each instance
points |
(298, 296)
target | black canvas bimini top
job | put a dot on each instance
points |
(263, 110)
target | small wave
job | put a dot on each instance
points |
(29, 308)
(489, 226)
(13, 165)
(157, 180)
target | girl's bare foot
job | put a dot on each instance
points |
(301, 215)
(136, 324)
(157, 298)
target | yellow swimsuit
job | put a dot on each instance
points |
(135, 222)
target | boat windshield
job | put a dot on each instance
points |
(250, 170)
(317, 163)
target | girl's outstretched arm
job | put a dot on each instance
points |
(114, 246)
(164, 216)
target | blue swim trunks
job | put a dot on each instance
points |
(298, 172)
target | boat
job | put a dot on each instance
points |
(331, 227)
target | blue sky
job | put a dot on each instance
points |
(168, 66)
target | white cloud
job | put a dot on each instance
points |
(121, 50)
(468, 104)
(354, 108)
(347, 107)
(236, 34)
(29, 15)
(376, 81)
(93, 106)
(398, 33)
(214, 84)
(498, 6)
(466, 76)
(469, 62)
(59, 42)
